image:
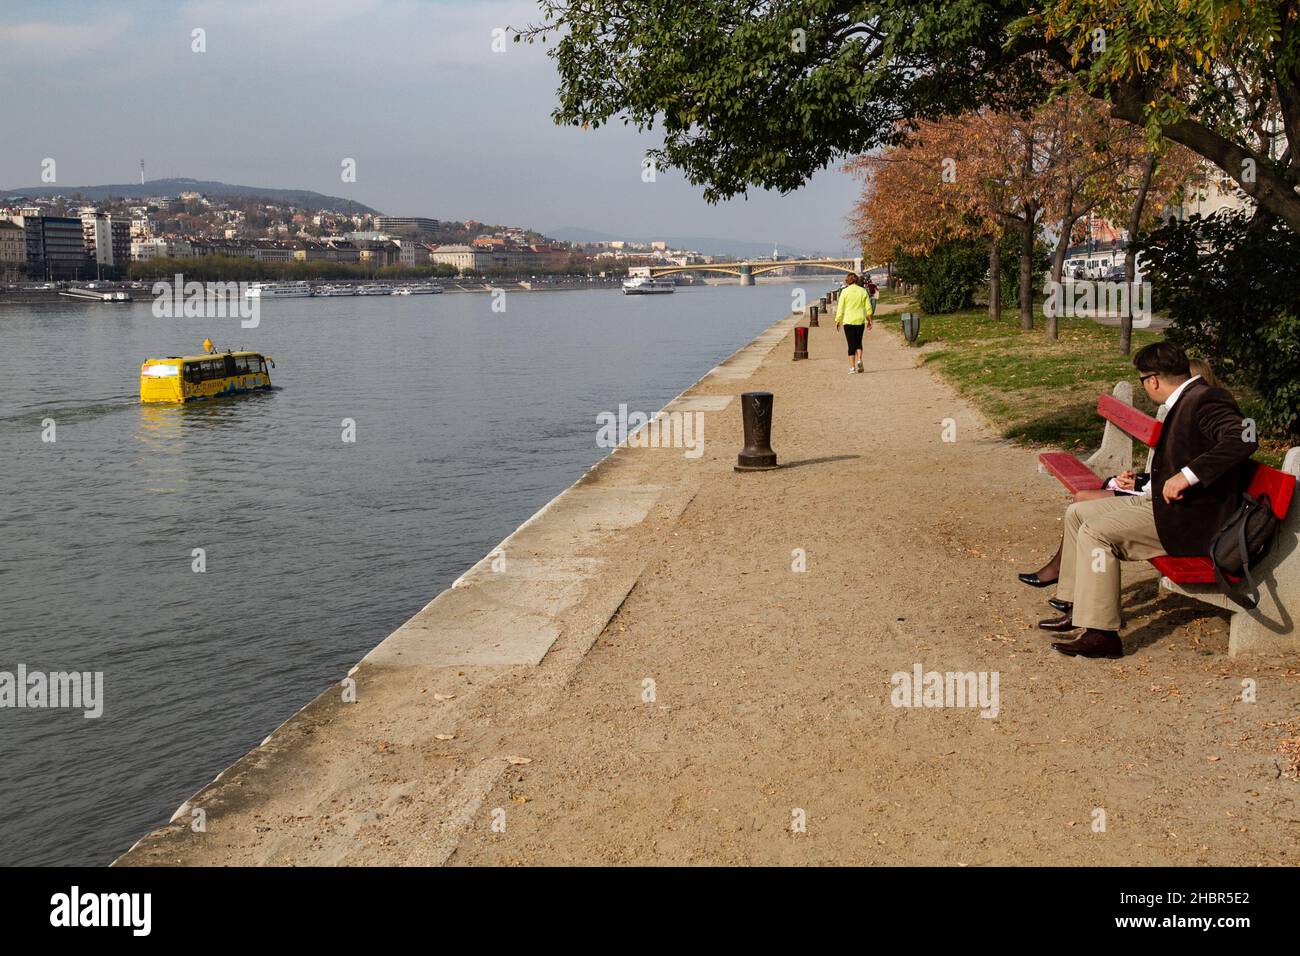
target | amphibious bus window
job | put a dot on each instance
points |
(193, 374)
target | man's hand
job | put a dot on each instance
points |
(869, 324)
(1125, 480)
(1175, 487)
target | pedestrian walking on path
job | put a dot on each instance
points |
(854, 312)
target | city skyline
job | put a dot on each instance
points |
(436, 122)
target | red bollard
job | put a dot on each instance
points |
(800, 342)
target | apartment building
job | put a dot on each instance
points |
(106, 240)
(406, 225)
(13, 251)
(53, 246)
(146, 249)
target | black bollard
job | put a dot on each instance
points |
(812, 317)
(756, 413)
(800, 342)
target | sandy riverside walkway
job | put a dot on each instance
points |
(772, 688)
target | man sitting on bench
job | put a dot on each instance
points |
(1198, 472)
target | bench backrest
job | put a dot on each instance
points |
(1278, 485)
(1129, 420)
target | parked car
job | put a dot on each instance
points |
(1114, 274)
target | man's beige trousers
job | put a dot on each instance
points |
(1098, 534)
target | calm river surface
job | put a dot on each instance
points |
(467, 422)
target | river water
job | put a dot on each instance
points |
(314, 548)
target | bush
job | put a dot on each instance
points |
(951, 275)
(947, 276)
(1231, 288)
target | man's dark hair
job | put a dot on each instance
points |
(1163, 358)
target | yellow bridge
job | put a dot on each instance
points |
(746, 271)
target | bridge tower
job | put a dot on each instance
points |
(746, 274)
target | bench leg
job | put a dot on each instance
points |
(1267, 629)
(1116, 452)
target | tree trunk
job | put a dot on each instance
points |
(1062, 246)
(1130, 256)
(1058, 269)
(1027, 268)
(995, 277)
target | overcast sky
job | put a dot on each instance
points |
(439, 125)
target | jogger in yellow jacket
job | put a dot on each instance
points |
(853, 311)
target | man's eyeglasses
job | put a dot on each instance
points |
(1142, 379)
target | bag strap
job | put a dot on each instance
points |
(1245, 558)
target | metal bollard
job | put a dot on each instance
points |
(911, 326)
(756, 413)
(800, 342)
(812, 317)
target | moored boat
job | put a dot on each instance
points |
(645, 285)
(278, 290)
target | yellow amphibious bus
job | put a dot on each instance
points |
(183, 378)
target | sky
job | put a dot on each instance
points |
(438, 124)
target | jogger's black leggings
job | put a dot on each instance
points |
(854, 334)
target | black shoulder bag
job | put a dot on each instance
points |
(1244, 540)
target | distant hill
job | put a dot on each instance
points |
(708, 245)
(304, 198)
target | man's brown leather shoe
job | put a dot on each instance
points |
(1065, 607)
(1092, 643)
(1058, 624)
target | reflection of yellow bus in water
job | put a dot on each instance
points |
(183, 378)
